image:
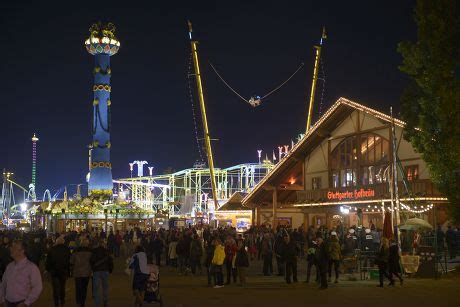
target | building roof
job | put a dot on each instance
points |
(234, 203)
(321, 130)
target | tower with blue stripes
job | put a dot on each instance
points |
(102, 44)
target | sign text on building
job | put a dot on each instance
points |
(356, 194)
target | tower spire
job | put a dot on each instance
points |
(33, 183)
(102, 44)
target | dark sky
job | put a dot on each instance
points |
(46, 77)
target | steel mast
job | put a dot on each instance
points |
(207, 138)
(315, 78)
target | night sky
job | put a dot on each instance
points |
(46, 77)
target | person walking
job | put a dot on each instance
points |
(5, 256)
(241, 262)
(322, 261)
(451, 241)
(141, 273)
(172, 255)
(230, 252)
(81, 271)
(278, 247)
(217, 262)
(180, 252)
(157, 249)
(210, 247)
(267, 254)
(311, 261)
(102, 265)
(196, 251)
(58, 265)
(288, 255)
(334, 256)
(118, 243)
(394, 268)
(382, 262)
(22, 283)
(111, 243)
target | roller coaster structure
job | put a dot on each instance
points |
(189, 191)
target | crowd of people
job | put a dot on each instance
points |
(222, 254)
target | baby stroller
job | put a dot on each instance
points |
(152, 290)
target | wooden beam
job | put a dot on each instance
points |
(290, 187)
(275, 203)
(363, 131)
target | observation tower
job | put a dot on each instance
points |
(33, 183)
(102, 44)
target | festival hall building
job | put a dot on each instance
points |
(340, 171)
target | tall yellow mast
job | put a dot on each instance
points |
(315, 78)
(203, 115)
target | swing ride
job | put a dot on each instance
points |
(256, 100)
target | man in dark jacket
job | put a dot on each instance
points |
(289, 251)
(57, 264)
(102, 265)
(157, 247)
(196, 251)
(451, 242)
(111, 243)
(322, 261)
(278, 248)
(241, 262)
(34, 251)
(208, 262)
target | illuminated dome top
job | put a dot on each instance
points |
(102, 39)
(34, 138)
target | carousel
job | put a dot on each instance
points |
(91, 213)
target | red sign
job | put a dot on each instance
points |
(356, 194)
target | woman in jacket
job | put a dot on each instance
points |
(217, 263)
(230, 251)
(81, 271)
(334, 256)
(141, 273)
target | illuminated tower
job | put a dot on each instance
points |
(102, 44)
(33, 184)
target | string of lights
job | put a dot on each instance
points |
(376, 209)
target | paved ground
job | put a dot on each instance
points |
(181, 291)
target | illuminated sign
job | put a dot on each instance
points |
(356, 194)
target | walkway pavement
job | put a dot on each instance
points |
(181, 291)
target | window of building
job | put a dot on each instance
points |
(316, 183)
(360, 160)
(411, 172)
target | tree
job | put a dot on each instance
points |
(431, 102)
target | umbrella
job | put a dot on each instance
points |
(415, 223)
(387, 231)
